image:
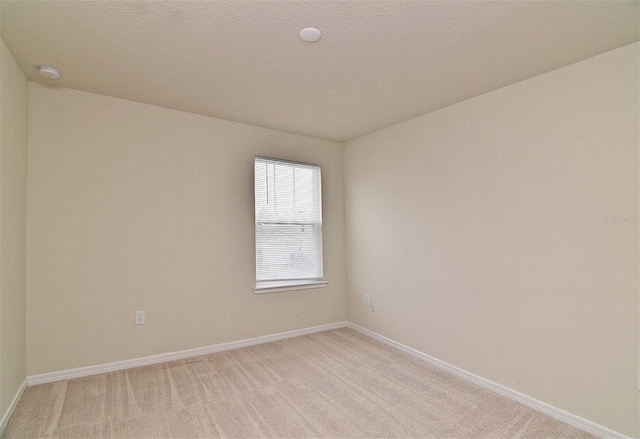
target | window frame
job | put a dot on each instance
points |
(272, 286)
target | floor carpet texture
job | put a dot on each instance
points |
(333, 384)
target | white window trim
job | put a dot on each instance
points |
(275, 286)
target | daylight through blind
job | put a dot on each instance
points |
(288, 220)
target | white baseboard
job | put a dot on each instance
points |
(562, 415)
(179, 355)
(12, 406)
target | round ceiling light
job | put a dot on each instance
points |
(310, 34)
(48, 72)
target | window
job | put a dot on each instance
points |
(288, 203)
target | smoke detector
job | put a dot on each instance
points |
(49, 72)
(310, 34)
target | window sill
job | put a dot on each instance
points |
(275, 287)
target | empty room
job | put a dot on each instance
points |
(319, 219)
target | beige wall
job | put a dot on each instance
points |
(479, 231)
(136, 207)
(13, 200)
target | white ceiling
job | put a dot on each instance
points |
(378, 62)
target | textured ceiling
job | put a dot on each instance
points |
(378, 62)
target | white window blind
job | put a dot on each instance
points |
(288, 214)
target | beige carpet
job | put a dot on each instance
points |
(331, 384)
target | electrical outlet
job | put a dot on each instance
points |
(140, 320)
(367, 299)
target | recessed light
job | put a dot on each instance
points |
(49, 72)
(310, 34)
